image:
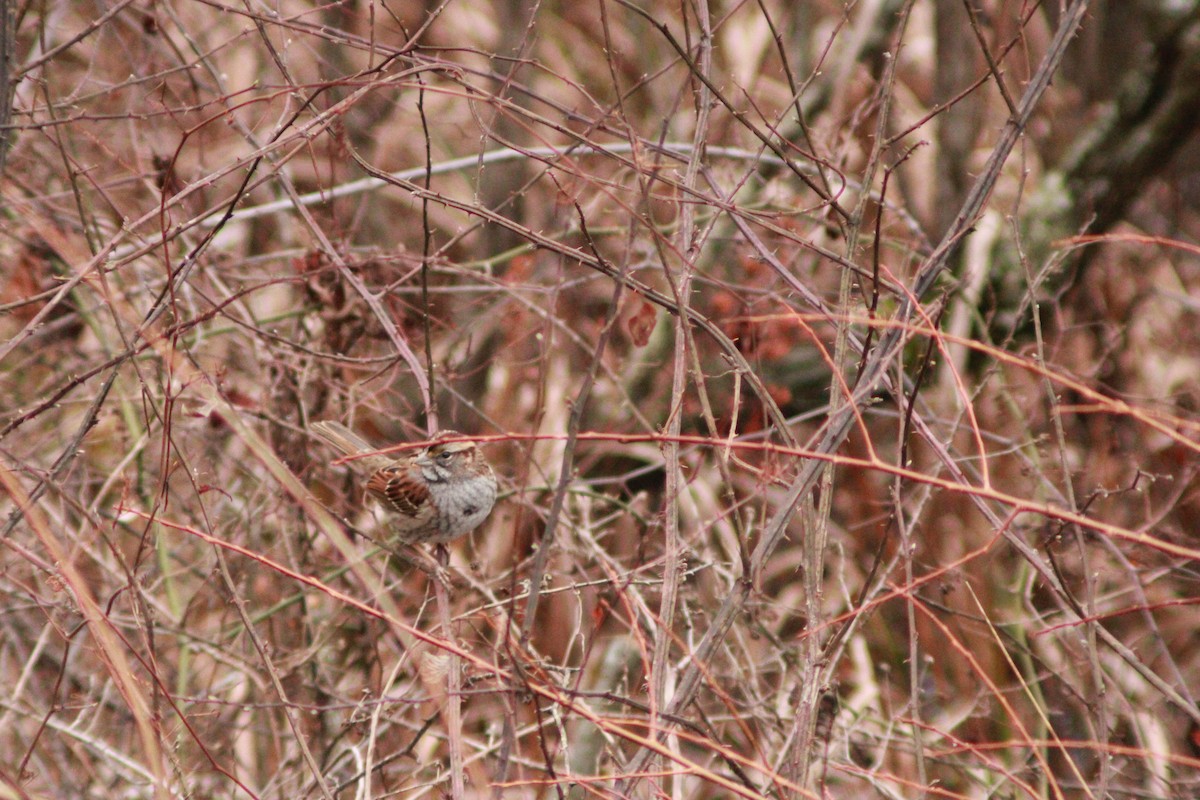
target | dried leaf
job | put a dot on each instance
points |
(641, 322)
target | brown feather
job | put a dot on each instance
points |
(399, 490)
(349, 443)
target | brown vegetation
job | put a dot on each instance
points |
(838, 361)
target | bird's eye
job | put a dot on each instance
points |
(445, 457)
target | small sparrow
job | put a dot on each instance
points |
(434, 495)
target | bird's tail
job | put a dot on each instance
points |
(347, 442)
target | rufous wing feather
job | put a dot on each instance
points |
(400, 491)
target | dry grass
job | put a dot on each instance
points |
(797, 502)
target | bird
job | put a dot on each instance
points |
(433, 495)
